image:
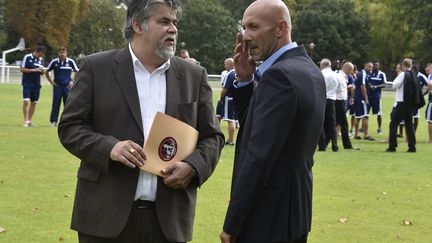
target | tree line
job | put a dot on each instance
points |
(384, 30)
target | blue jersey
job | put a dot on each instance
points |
(376, 78)
(31, 79)
(362, 79)
(228, 81)
(350, 82)
(423, 80)
(62, 70)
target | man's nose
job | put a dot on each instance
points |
(172, 28)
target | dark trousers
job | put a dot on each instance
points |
(328, 133)
(60, 92)
(402, 111)
(342, 121)
(142, 227)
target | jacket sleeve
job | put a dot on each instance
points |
(75, 131)
(275, 107)
(210, 141)
(242, 97)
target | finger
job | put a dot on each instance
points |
(239, 38)
(138, 152)
(251, 62)
(169, 169)
(245, 46)
(238, 48)
(132, 159)
(171, 181)
(126, 162)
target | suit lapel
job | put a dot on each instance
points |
(174, 75)
(124, 73)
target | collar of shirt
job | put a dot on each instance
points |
(267, 63)
(138, 65)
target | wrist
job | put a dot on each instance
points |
(244, 78)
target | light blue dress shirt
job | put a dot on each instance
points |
(268, 62)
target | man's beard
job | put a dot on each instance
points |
(166, 53)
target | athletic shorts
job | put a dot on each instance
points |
(375, 104)
(429, 112)
(349, 108)
(31, 93)
(228, 110)
(361, 109)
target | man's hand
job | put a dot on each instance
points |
(71, 83)
(179, 175)
(226, 238)
(40, 70)
(128, 153)
(53, 83)
(243, 63)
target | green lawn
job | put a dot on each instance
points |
(372, 192)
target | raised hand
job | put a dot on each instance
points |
(243, 63)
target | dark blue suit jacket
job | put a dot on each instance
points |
(281, 119)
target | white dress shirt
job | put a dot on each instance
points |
(152, 98)
(341, 89)
(332, 81)
(398, 84)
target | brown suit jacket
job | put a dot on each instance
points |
(103, 109)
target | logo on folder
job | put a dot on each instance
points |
(167, 149)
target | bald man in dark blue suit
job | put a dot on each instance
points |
(281, 119)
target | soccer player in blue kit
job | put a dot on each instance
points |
(32, 68)
(377, 81)
(428, 70)
(361, 102)
(62, 82)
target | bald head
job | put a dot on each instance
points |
(229, 63)
(272, 10)
(267, 27)
(348, 68)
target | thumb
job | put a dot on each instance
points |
(169, 169)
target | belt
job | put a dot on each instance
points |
(143, 204)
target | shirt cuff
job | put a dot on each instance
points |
(238, 84)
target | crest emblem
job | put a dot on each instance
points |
(167, 149)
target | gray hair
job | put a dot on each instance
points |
(142, 10)
(325, 62)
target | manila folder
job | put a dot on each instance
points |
(169, 140)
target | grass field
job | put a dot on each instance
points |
(359, 196)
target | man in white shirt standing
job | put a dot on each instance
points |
(340, 103)
(328, 132)
(402, 108)
(106, 122)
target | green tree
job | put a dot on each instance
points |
(208, 30)
(419, 14)
(44, 22)
(100, 29)
(389, 32)
(3, 25)
(334, 27)
(398, 30)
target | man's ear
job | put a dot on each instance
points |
(136, 26)
(282, 28)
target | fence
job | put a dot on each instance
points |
(13, 75)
